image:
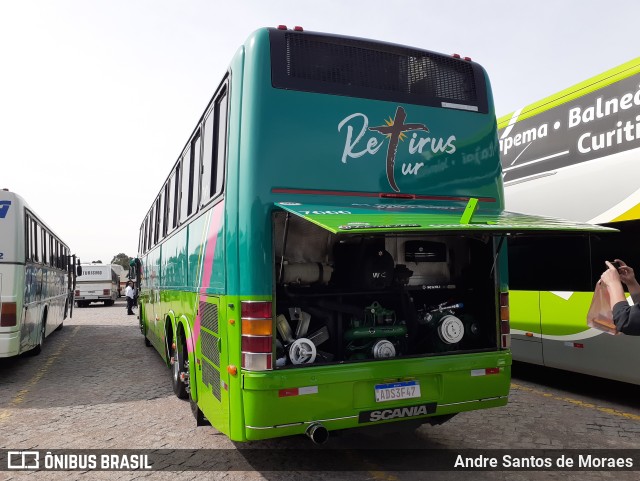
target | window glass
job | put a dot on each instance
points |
(221, 144)
(176, 196)
(195, 182)
(151, 224)
(167, 204)
(45, 247)
(185, 197)
(208, 182)
(38, 242)
(156, 222)
(550, 263)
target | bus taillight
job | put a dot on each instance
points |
(8, 315)
(106, 292)
(257, 335)
(505, 329)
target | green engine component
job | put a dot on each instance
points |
(375, 332)
(375, 314)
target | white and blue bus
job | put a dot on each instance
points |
(36, 278)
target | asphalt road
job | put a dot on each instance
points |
(96, 386)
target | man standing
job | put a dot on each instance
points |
(129, 292)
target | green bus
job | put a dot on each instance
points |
(574, 155)
(327, 252)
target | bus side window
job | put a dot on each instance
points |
(158, 222)
(151, 218)
(27, 238)
(194, 184)
(37, 241)
(45, 247)
(221, 145)
(187, 176)
(215, 129)
(165, 211)
(542, 263)
(176, 195)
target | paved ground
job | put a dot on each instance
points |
(96, 386)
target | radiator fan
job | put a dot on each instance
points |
(300, 348)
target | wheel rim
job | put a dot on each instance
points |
(176, 365)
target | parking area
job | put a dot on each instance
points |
(96, 386)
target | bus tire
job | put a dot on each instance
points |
(59, 328)
(147, 342)
(178, 368)
(198, 414)
(38, 349)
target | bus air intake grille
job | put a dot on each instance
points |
(360, 68)
(211, 377)
(209, 316)
(209, 344)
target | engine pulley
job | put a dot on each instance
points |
(450, 329)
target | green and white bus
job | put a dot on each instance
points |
(573, 155)
(327, 251)
(36, 278)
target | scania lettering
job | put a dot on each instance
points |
(326, 231)
(584, 169)
(36, 278)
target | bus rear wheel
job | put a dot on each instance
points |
(179, 369)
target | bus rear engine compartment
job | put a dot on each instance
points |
(366, 297)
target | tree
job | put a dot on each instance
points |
(122, 260)
(96, 262)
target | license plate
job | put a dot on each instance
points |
(91, 292)
(397, 390)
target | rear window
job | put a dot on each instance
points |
(367, 69)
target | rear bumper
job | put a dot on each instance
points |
(285, 402)
(9, 344)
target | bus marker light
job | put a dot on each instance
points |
(468, 59)
(529, 334)
(233, 370)
(173, 345)
(485, 372)
(298, 29)
(577, 345)
(456, 55)
(282, 27)
(232, 322)
(298, 391)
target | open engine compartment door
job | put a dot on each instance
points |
(418, 217)
(359, 283)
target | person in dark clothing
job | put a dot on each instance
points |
(625, 317)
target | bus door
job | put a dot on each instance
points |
(212, 376)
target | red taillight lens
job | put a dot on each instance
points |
(256, 344)
(8, 316)
(257, 335)
(256, 310)
(106, 292)
(77, 293)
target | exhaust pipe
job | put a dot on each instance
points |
(317, 433)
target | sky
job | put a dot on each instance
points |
(98, 97)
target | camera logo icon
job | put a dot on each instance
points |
(23, 460)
